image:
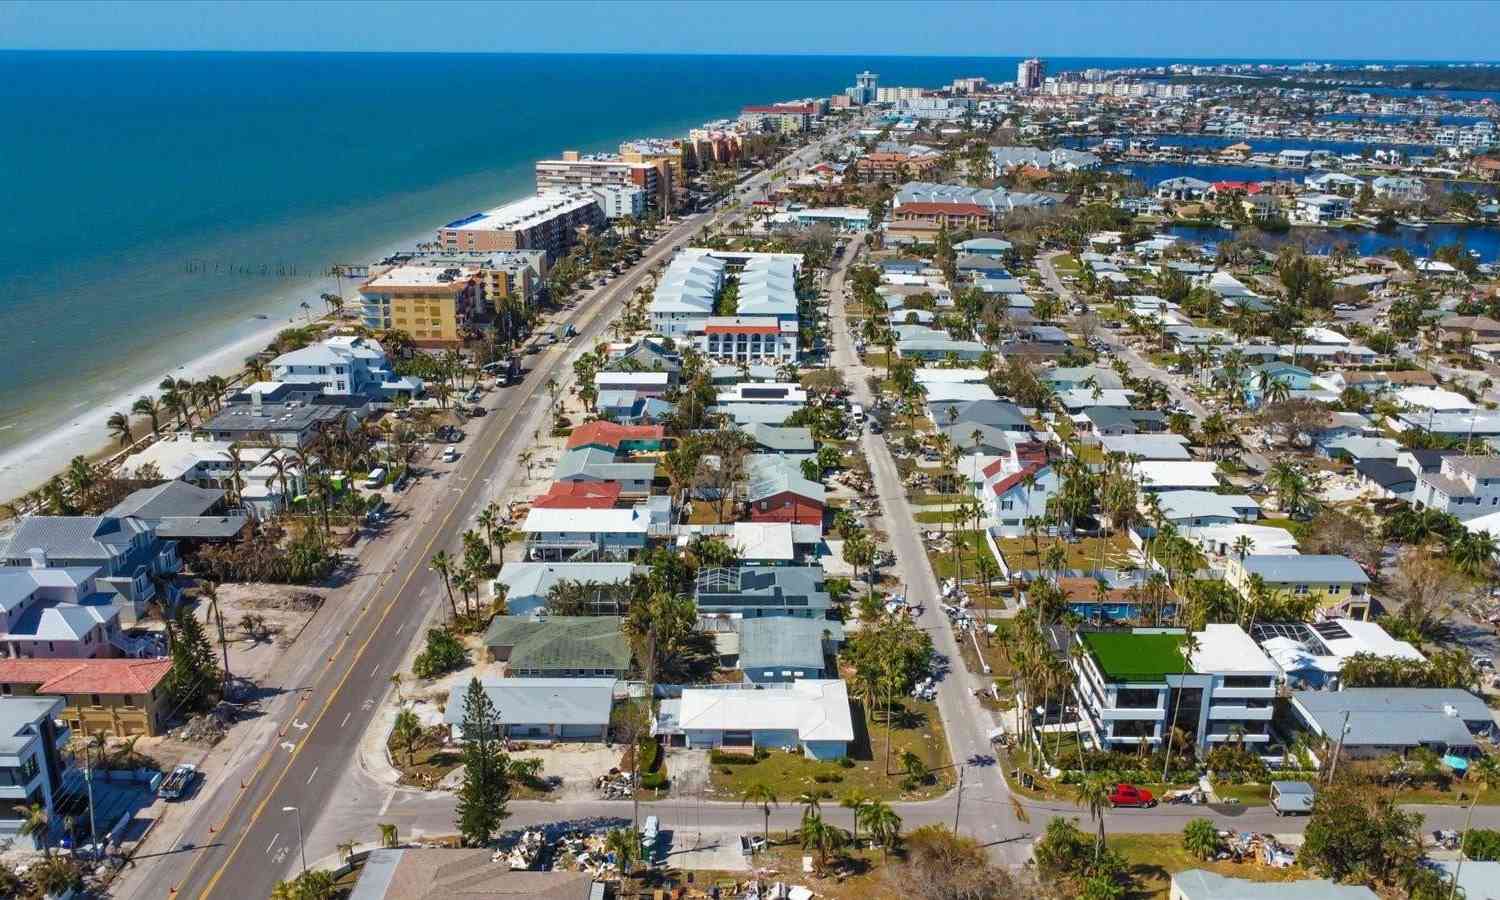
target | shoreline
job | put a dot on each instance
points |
(81, 429)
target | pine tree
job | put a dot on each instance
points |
(195, 668)
(486, 785)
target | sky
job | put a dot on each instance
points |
(1266, 29)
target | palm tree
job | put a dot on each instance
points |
(763, 796)
(36, 823)
(150, 408)
(1093, 793)
(883, 824)
(442, 564)
(626, 845)
(855, 802)
(819, 835)
(406, 730)
(1189, 646)
(811, 804)
(396, 683)
(119, 428)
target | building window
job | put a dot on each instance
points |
(94, 700)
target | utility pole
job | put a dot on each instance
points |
(1338, 748)
(635, 752)
(224, 647)
(958, 797)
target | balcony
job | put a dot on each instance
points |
(1223, 712)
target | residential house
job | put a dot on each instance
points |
(33, 761)
(345, 365)
(1064, 378)
(643, 383)
(786, 648)
(994, 248)
(133, 562)
(1399, 188)
(998, 414)
(1164, 476)
(645, 355)
(1311, 656)
(559, 646)
(1457, 330)
(528, 585)
(1336, 581)
(1134, 687)
(1147, 446)
(471, 873)
(1320, 209)
(1121, 420)
(541, 709)
(1187, 510)
(771, 439)
(1016, 487)
(572, 535)
(811, 714)
(64, 613)
(265, 479)
(184, 512)
(753, 591)
(283, 415)
(1465, 487)
(579, 495)
(617, 438)
(114, 697)
(593, 464)
(632, 408)
(1182, 188)
(777, 492)
(1201, 884)
(1382, 721)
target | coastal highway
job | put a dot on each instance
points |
(253, 842)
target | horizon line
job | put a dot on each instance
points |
(729, 53)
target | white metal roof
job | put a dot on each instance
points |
(818, 710)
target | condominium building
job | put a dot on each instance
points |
(577, 172)
(716, 145)
(621, 201)
(1135, 687)
(429, 303)
(786, 118)
(897, 165)
(658, 150)
(748, 339)
(502, 274)
(345, 365)
(549, 221)
(1030, 74)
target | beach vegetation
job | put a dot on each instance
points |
(485, 788)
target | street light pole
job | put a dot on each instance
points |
(301, 845)
(958, 798)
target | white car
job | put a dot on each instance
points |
(450, 454)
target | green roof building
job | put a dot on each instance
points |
(559, 646)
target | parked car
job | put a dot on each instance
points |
(450, 454)
(1129, 795)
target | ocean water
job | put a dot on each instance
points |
(1365, 242)
(156, 203)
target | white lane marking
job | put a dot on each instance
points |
(273, 842)
(403, 625)
(312, 776)
(346, 719)
(375, 670)
(387, 804)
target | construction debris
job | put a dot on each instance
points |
(209, 728)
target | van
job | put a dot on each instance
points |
(375, 479)
(857, 413)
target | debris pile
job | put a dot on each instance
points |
(614, 786)
(526, 855)
(209, 728)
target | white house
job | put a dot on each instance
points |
(344, 366)
(1393, 187)
(1016, 487)
(811, 714)
(1321, 208)
(1464, 486)
(577, 534)
(685, 297)
(33, 752)
(1157, 475)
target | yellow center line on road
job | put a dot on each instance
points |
(588, 320)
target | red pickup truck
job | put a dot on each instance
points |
(1129, 795)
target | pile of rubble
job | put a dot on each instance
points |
(291, 601)
(526, 855)
(614, 786)
(209, 728)
(584, 851)
(1248, 846)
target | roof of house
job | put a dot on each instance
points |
(758, 541)
(1395, 717)
(1199, 884)
(170, 498)
(18, 715)
(579, 495)
(1175, 474)
(1309, 567)
(1388, 475)
(1136, 657)
(19, 584)
(535, 579)
(536, 701)
(772, 475)
(1147, 446)
(774, 437)
(1179, 505)
(610, 434)
(86, 676)
(816, 709)
(560, 642)
(786, 642)
(1228, 649)
(801, 586)
(76, 537)
(421, 873)
(62, 621)
(997, 413)
(606, 521)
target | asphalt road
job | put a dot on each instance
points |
(256, 842)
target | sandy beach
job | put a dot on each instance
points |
(81, 428)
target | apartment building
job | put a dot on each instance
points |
(785, 118)
(658, 150)
(748, 339)
(549, 221)
(1133, 687)
(346, 366)
(897, 165)
(503, 274)
(620, 201)
(576, 172)
(430, 303)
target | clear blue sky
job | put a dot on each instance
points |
(1268, 29)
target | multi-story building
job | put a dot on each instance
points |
(431, 304)
(1136, 687)
(548, 221)
(748, 339)
(346, 366)
(866, 88)
(502, 274)
(1030, 73)
(1463, 486)
(32, 761)
(576, 172)
(658, 150)
(620, 201)
(897, 165)
(713, 145)
(1336, 582)
(274, 414)
(124, 556)
(785, 118)
(685, 296)
(896, 94)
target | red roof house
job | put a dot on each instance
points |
(579, 495)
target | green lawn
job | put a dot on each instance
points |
(1153, 858)
(919, 729)
(935, 517)
(972, 545)
(1020, 553)
(1247, 794)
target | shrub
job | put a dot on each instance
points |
(845, 762)
(442, 655)
(828, 778)
(1482, 844)
(720, 758)
(1201, 838)
(654, 780)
